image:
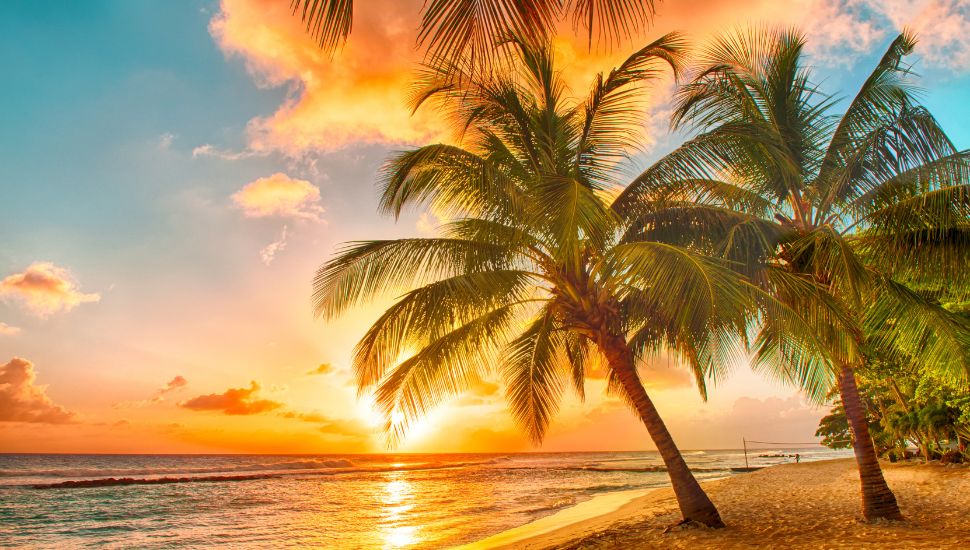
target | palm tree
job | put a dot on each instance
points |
(532, 274)
(861, 203)
(456, 28)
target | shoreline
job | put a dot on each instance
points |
(808, 505)
(590, 516)
(587, 514)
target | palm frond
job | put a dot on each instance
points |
(885, 91)
(937, 174)
(428, 313)
(612, 21)
(536, 372)
(329, 22)
(572, 213)
(454, 29)
(687, 289)
(451, 180)
(366, 270)
(899, 319)
(804, 334)
(613, 110)
(904, 141)
(443, 368)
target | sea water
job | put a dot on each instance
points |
(327, 501)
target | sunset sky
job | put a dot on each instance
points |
(173, 172)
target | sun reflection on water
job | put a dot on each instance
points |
(397, 529)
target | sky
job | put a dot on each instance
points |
(173, 172)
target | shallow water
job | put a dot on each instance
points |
(327, 501)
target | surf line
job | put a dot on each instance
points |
(109, 482)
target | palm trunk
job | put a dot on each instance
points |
(878, 501)
(694, 502)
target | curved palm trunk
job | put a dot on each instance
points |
(878, 501)
(694, 502)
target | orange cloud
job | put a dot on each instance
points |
(334, 426)
(176, 383)
(6, 329)
(234, 401)
(322, 369)
(22, 401)
(478, 394)
(659, 377)
(280, 195)
(44, 289)
(355, 96)
(136, 404)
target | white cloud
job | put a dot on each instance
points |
(944, 27)
(6, 330)
(428, 224)
(841, 31)
(166, 139)
(210, 151)
(270, 251)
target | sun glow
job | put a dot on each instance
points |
(397, 531)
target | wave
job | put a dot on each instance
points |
(555, 505)
(295, 468)
(88, 483)
(111, 472)
(647, 469)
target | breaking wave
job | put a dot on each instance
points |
(99, 472)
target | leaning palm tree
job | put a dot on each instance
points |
(530, 276)
(469, 28)
(861, 203)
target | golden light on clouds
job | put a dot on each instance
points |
(280, 195)
(234, 401)
(23, 401)
(44, 289)
(355, 97)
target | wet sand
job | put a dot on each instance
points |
(811, 505)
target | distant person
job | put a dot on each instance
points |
(798, 458)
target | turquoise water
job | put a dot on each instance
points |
(334, 502)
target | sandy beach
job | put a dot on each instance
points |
(809, 505)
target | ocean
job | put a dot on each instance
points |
(389, 501)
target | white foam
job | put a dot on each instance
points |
(109, 472)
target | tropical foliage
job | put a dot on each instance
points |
(863, 203)
(906, 405)
(534, 275)
(469, 28)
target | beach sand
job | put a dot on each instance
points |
(810, 505)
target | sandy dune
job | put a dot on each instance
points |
(813, 505)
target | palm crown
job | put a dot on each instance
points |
(862, 203)
(535, 272)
